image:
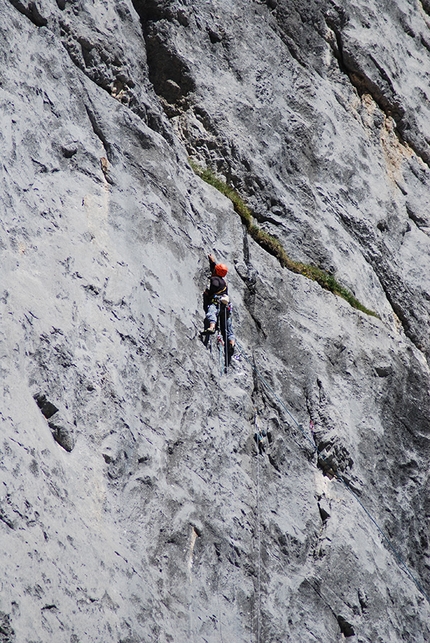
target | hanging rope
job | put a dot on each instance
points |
(401, 562)
(220, 344)
(225, 340)
(258, 606)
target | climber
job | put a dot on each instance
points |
(217, 304)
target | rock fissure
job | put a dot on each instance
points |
(168, 71)
(389, 102)
(107, 71)
(98, 131)
(393, 289)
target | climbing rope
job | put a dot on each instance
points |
(221, 350)
(219, 607)
(400, 560)
(258, 606)
(225, 340)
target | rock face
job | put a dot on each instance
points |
(146, 495)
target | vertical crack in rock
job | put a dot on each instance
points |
(98, 131)
(249, 277)
(106, 67)
(169, 72)
(195, 533)
(397, 294)
(351, 62)
(410, 313)
(301, 28)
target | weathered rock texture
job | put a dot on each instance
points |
(135, 503)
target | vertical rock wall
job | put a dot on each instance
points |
(136, 504)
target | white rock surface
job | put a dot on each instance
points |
(141, 508)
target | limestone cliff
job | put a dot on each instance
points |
(137, 504)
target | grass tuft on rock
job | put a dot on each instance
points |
(272, 245)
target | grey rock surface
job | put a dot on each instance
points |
(137, 502)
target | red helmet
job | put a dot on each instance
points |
(220, 270)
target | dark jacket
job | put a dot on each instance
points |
(217, 286)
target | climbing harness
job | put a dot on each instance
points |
(337, 476)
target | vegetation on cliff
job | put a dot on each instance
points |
(272, 245)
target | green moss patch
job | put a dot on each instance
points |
(272, 245)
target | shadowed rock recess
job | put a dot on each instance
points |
(146, 495)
